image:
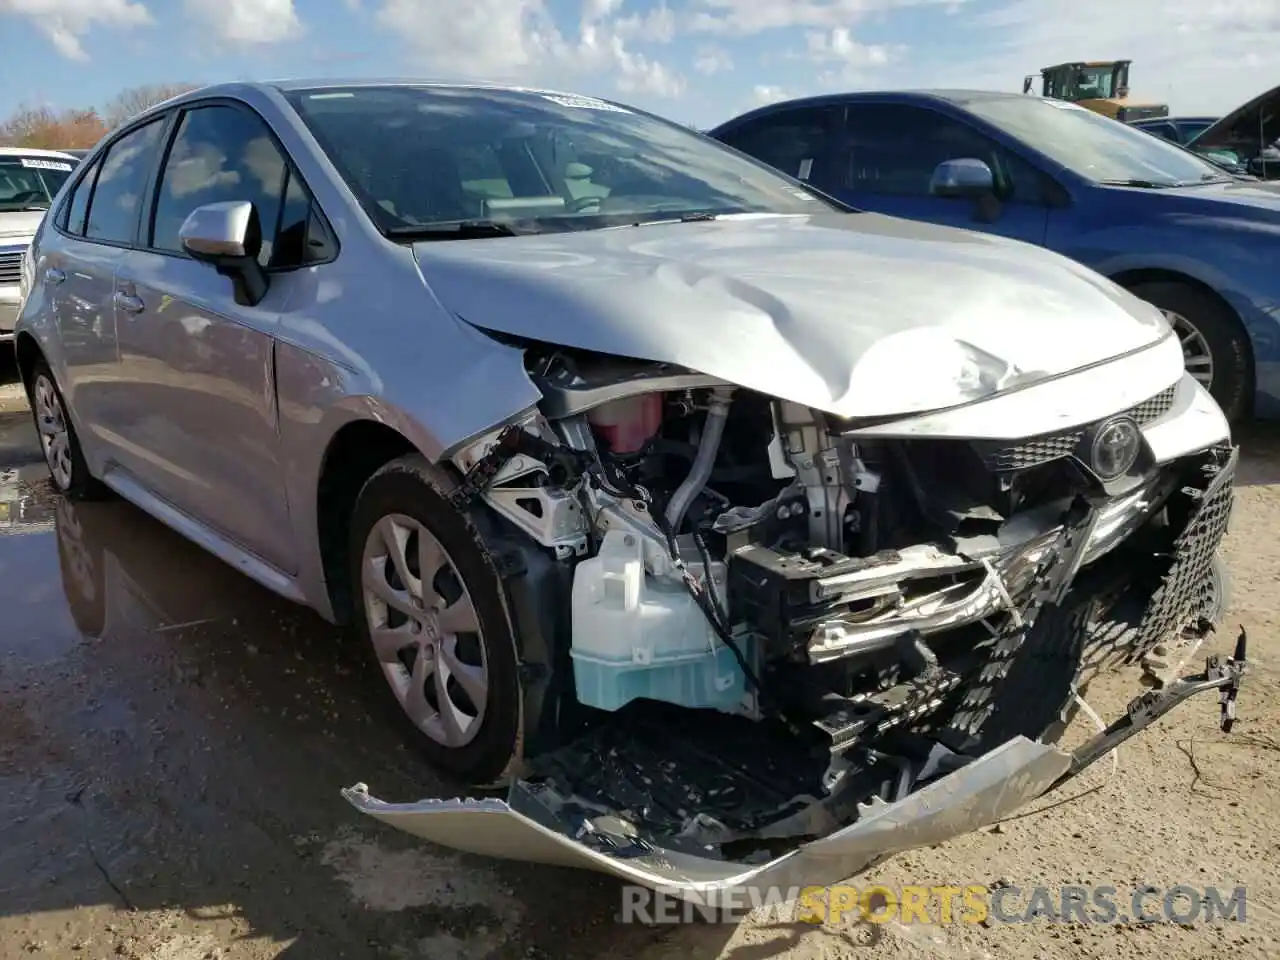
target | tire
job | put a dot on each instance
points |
(1199, 314)
(402, 509)
(58, 440)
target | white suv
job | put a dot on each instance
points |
(29, 180)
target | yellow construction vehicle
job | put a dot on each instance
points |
(1098, 85)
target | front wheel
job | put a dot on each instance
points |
(1215, 348)
(432, 608)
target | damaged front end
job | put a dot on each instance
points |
(764, 645)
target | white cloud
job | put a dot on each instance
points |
(247, 21)
(747, 17)
(657, 25)
(519, 40)
(839, 45)
(65, 22)
(763, 93)
(712, 59)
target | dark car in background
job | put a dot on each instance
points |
(1169, 226)
(1248, 137)
(1179, 130)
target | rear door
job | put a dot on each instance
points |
(202, 364)
(884, 160)
(95, 227)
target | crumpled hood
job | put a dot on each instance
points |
(856, 314)
(20, 224)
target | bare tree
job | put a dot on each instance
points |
(129, 103)
(49, 129)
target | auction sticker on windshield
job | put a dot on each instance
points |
(45, 164)
(583, 103)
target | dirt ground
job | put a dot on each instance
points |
(173, 738)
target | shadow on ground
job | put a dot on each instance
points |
(172, 743)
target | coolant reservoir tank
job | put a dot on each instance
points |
(627, 425)
(638, 635)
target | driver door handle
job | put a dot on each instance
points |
(54, 275)
(129, 303)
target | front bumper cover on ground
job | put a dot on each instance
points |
(982, 792)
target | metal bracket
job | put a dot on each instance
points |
(1225, 676)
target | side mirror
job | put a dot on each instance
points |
(228, 237)
(962, 178)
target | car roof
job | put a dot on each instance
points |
(34, 152)
(238, 89)
(959, 97)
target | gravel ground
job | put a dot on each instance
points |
(172, 739)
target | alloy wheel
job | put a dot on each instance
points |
(55, 436)
(1196, 355)
(424, 630)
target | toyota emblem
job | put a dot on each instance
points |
(1116, 446)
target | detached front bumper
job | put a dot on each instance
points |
(980, 793)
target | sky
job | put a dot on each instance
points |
(696, 61)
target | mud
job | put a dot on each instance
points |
(173, 737)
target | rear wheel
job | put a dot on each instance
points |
(1215, 348)
(58, 440)
(432, 609)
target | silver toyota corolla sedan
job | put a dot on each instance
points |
(740, 537)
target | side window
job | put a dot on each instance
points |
(302, 235)
(77, 205)
(122, 180)
(220, 154)
(793, 141)
(893, 149)
(1165, 131)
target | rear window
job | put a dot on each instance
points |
(31, 183)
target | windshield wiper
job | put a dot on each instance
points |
(699, 217)
(452, 230)
(1141, 184)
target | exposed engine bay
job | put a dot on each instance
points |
(745, 626)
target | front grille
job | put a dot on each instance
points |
(10, 267)
(1054, 446)
(1186, 590)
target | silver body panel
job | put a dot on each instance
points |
(983, 792)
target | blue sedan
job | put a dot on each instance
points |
(1172, 228)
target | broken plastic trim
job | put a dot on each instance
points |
(988, 789)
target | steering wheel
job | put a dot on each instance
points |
(584, 203)
(26, 196)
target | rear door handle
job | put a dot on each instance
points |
(129, 303)
(54, 275)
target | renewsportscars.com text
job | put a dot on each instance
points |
(943, 905)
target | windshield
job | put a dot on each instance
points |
(31, 183)
(422, 156)
(1096, 147)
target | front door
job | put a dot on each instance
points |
(886, 155)
(201, 366)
